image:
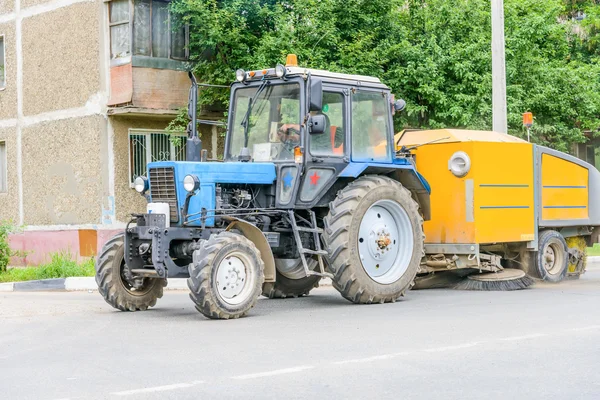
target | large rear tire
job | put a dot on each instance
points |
(374, 236)
(552, 258)
(226, 276)
(118, 291)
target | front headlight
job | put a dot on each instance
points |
(280, 71)
(140, 184)
(240, 75)
(191, 183)
(459, 164)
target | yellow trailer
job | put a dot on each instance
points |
(499, 202)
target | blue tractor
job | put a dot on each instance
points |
(311, 186)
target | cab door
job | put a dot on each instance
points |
(326, 154)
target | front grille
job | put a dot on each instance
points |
(162, 189)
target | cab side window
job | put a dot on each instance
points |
(370, 126)
(331, 142)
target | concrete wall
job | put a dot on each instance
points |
(61, 58)
(62, 172)
(9, 201)
(8, 95)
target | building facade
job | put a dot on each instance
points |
(87, 88)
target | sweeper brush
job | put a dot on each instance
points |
(507, 279)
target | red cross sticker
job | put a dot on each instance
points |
(314, 178)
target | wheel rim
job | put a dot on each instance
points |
(553, 258)
(385, 241)
(234, 278)
(145, 287)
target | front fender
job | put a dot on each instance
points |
(256, 236)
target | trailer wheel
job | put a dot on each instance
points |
(226, 276)
(117, 289)
(552, 258)
(374, 236)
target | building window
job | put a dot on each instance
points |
(119, 29)
(2, 68)
(153, 34)
(149, 146)
(3, 166)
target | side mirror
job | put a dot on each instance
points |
(399, 105)
(316, 95)
(316, 124)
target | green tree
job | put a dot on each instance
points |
(435, 54)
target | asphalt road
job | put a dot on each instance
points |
(541, 343)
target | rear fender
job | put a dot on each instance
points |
(256, 236)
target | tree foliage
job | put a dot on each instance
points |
(436, 54)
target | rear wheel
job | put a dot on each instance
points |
(226, 276)
(118, 288)
(552, 259)
(374, 237)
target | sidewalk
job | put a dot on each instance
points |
(89, 283)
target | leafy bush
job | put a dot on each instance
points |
(61, 265)
(6, 227)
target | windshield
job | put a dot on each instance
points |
(272, 122)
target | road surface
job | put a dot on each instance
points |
(541, 343)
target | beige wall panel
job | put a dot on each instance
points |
(62, 172)
(160, 88)
(8, 95)
(61, 58)
(7, 6)
(9, 201)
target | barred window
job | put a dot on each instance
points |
(149, 146)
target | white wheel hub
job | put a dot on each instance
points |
(385, 241)
(231, 278)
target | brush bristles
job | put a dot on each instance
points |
(513, 284)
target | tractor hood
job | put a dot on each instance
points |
(166, 183)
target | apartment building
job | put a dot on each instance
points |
(87, 88)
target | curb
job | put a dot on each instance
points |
(89, 284)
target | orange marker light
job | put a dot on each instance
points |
(264, 71)
(291, 60)
(527, 119)
(251, 73)
(298, 155)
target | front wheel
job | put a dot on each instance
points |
(120, 290)
(226, 276)
(374, 237)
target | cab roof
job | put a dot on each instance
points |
(328, 74)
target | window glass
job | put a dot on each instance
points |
(178, 39)
(141, 28)
(160, 29)
(331, 142)
(119, 11)
(370, 126)
(2, 71)
(273, 124)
